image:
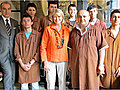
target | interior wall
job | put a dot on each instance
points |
(15, 5)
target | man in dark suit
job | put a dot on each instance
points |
(8, 30)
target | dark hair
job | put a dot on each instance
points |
(5, 3)
(31, 5)
(26, 15)
(71, 5)
(52, 2)
(91, 7)
(114, 11)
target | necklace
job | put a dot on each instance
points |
(59, 45)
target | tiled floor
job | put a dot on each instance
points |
(17, 87)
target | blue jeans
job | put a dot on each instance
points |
(35, 86)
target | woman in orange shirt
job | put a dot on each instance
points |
(54, 51)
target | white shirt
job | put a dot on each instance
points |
(4, 19)
(115, 32)
(92, 23)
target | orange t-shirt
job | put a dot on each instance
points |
(49, 50)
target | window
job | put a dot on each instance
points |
(104, 8)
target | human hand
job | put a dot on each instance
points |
(26, 67)
(46, 67)
(69, 67)
(101, 70)
(117, 72)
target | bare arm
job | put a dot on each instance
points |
(101, 63)
(25, 67)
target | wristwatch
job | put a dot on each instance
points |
(30, 63)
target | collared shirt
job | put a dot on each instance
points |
(112, 60)
(49, 50)
(4, 19)
(28, 49)
(85, 57)
(86, 29)
(82, 33)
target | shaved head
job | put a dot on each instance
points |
(83, 11)
(83, 17)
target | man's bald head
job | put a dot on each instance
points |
(83, 17)
(83, 11)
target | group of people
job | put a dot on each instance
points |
(83, 45)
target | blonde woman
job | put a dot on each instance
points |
(54, 51)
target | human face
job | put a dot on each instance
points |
(57, 19)
(72, 11)
(26, 22)
(31, 11)
(52, 7)
(115, 19)
(6, 10)
(93, 13)
(83, 17)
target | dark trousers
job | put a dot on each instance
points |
(8, 69)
